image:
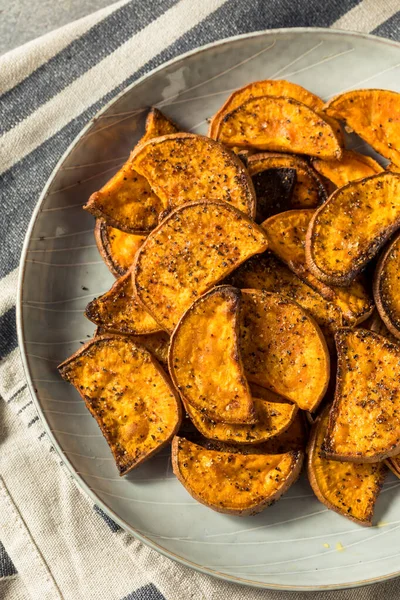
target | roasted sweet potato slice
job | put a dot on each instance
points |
(375, 323)
(283, 348)
(265, 272)
(364, 422)
(281, 125)
(206, 337)
(116, 247)
(126, 201)
(268, 87)
(350, 167)
(129, 395)
(374, 115)
(349, 489)
(185, 168)
(286, 235)
(194, 248)
(232, 483)
(119, 311)
(348, 230)
(157, 343)
(274, 190)
(157, 124)
(309, 190)
(387, 288)
(274, 416)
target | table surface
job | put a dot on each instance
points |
(25, 20)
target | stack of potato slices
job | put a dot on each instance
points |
(257, 291)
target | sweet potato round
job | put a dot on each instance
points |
(129, 395)
(233, 483)
(117, 248)
(350, 167)
(386, 287)
(349, 489)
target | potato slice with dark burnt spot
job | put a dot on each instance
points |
(274, 190)
(233, 483)
(185, 167)
(194, 248)
(286, 235)
(364, 421)
(349, 489)
(204, 358)
(283, 348)
(387, 288)
(347, 231)
(119, 311)
(117, 248)
(309, 190)
(281, 125)
(129, 395)
(274, 416)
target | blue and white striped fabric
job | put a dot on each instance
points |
(54, 542)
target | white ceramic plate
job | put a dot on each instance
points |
(298, 543)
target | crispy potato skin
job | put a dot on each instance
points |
(364, 421)
(233, 483)
(116, 247)
(374, 115)
(267, 87)
(281, 125)
(283, 348)
(350, 167)
(205, 338)
(156, 343)
(386, 287)
(309, 190)
(185, 167)
(274, 416)
(286, 235)
(349, 229)
(265, 272)
(194, 248)
(119, 311)
(349, 489)
(129, 395)
(157, 124)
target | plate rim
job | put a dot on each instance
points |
(21, 337)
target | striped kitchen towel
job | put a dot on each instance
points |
(53, 542)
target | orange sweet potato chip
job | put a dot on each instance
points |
(364, 421)
(339, 244)
(233, 483)
(281, 125)
(349, 489)
(194, 248)
(374, 115)
(129, 395)
(286, 235)
(116, 247)
(119, 311)
(185, 168)
(386, 287)
(350, 167)
(283, 348)
(205, 338)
